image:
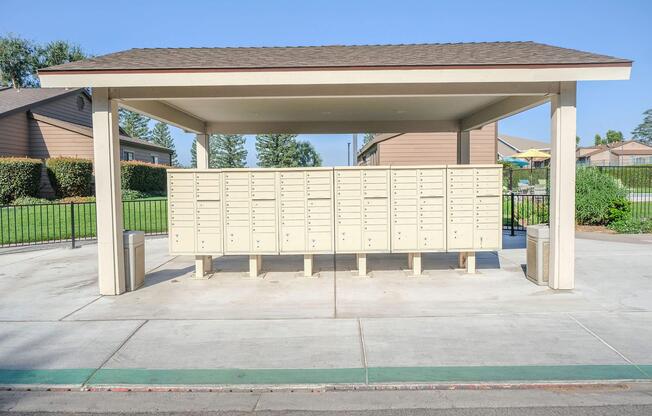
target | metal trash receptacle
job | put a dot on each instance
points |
(538, 253)
(134, 248)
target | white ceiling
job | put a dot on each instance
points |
(307, 109)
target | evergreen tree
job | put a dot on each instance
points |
(597, 140)
(307, 155)
(193, 154)
(367, 138)
(134, 124)
(643, 131)
(227, 151)
(161, 135)
(276, 150)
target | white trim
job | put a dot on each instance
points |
(321, 77)
(332, 127)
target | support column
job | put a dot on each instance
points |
(307, 265)
(106, 151)
(410, 259)
(362, 264)
(470, 262)
(461, 259)
(416, 264)
(254, 265)
(203, 264)
(463, 147)
(562, 188)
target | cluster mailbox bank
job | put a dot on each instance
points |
(356, 210)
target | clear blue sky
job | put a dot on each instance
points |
(620, 28)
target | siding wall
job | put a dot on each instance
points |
(66, 109)
(51, 141)
(14, 135)
(435, 148)
(145, 155)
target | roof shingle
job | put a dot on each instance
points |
(339, 56)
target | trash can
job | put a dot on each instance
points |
(538, 253)
(134, 246)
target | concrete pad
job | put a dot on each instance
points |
(60, 345)
(630, 333)
(50, 284)
(171, 293)
(505, 340)
(265, 344)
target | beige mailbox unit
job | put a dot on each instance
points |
(362, 212)
(356, 210)
(474, 210)
(306, 211)
(418, 214)
(195, 212)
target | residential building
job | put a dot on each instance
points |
(625, 153)
(44, 123)
(428, 148)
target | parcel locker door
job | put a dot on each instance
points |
(182, 240)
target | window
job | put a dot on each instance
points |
(154, 159)
(127, 155)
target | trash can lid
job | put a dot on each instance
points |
(133, 237)
(538, 231)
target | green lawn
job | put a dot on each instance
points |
(53, 222)
(642, 209)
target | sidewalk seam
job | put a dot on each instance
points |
(606, 344)
(363, 352)
(80, 308)
(122, 344)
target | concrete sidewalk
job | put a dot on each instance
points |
(336, 330)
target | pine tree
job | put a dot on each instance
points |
(307, 155)
(643, 131)
(227, 151)
(277, 150)
(134, 124)
(367, 137)
(193, 154)
(161, 135)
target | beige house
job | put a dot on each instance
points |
(42, 123)
(429, 148)
(625, 153)
(454, 88)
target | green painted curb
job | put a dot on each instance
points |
(68, 376)
(233, 376)
(228, 376)
(504, 373)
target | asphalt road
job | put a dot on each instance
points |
(629, 410)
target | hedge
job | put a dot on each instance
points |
(70, 176)
(597, 196)
(19, 177)
(144, 177)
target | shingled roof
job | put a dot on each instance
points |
(502, 54)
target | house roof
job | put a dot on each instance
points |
(13, 100)
(377, 139)
(510, 145)
(88, 131)
(632, 152)
(441, 55)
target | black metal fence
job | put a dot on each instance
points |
(521, 210)
(638, 181)
(22, 225)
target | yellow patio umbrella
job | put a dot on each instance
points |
(532, 154)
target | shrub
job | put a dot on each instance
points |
(620, 210)
(76, 199)
(596, 193)
(529, 211)
(19, 177)
(29, 200)
(131, 194)
(70, 176)
(143, 177)
(632, 226)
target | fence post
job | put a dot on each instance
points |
(72, 223)
(511, 196)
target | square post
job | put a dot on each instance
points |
(106, 153)
(203, 264)
(562, 190)
(417, 266)
(463, 147)
(307, 265)
(362, 264)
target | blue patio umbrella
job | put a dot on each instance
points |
(518, 162)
